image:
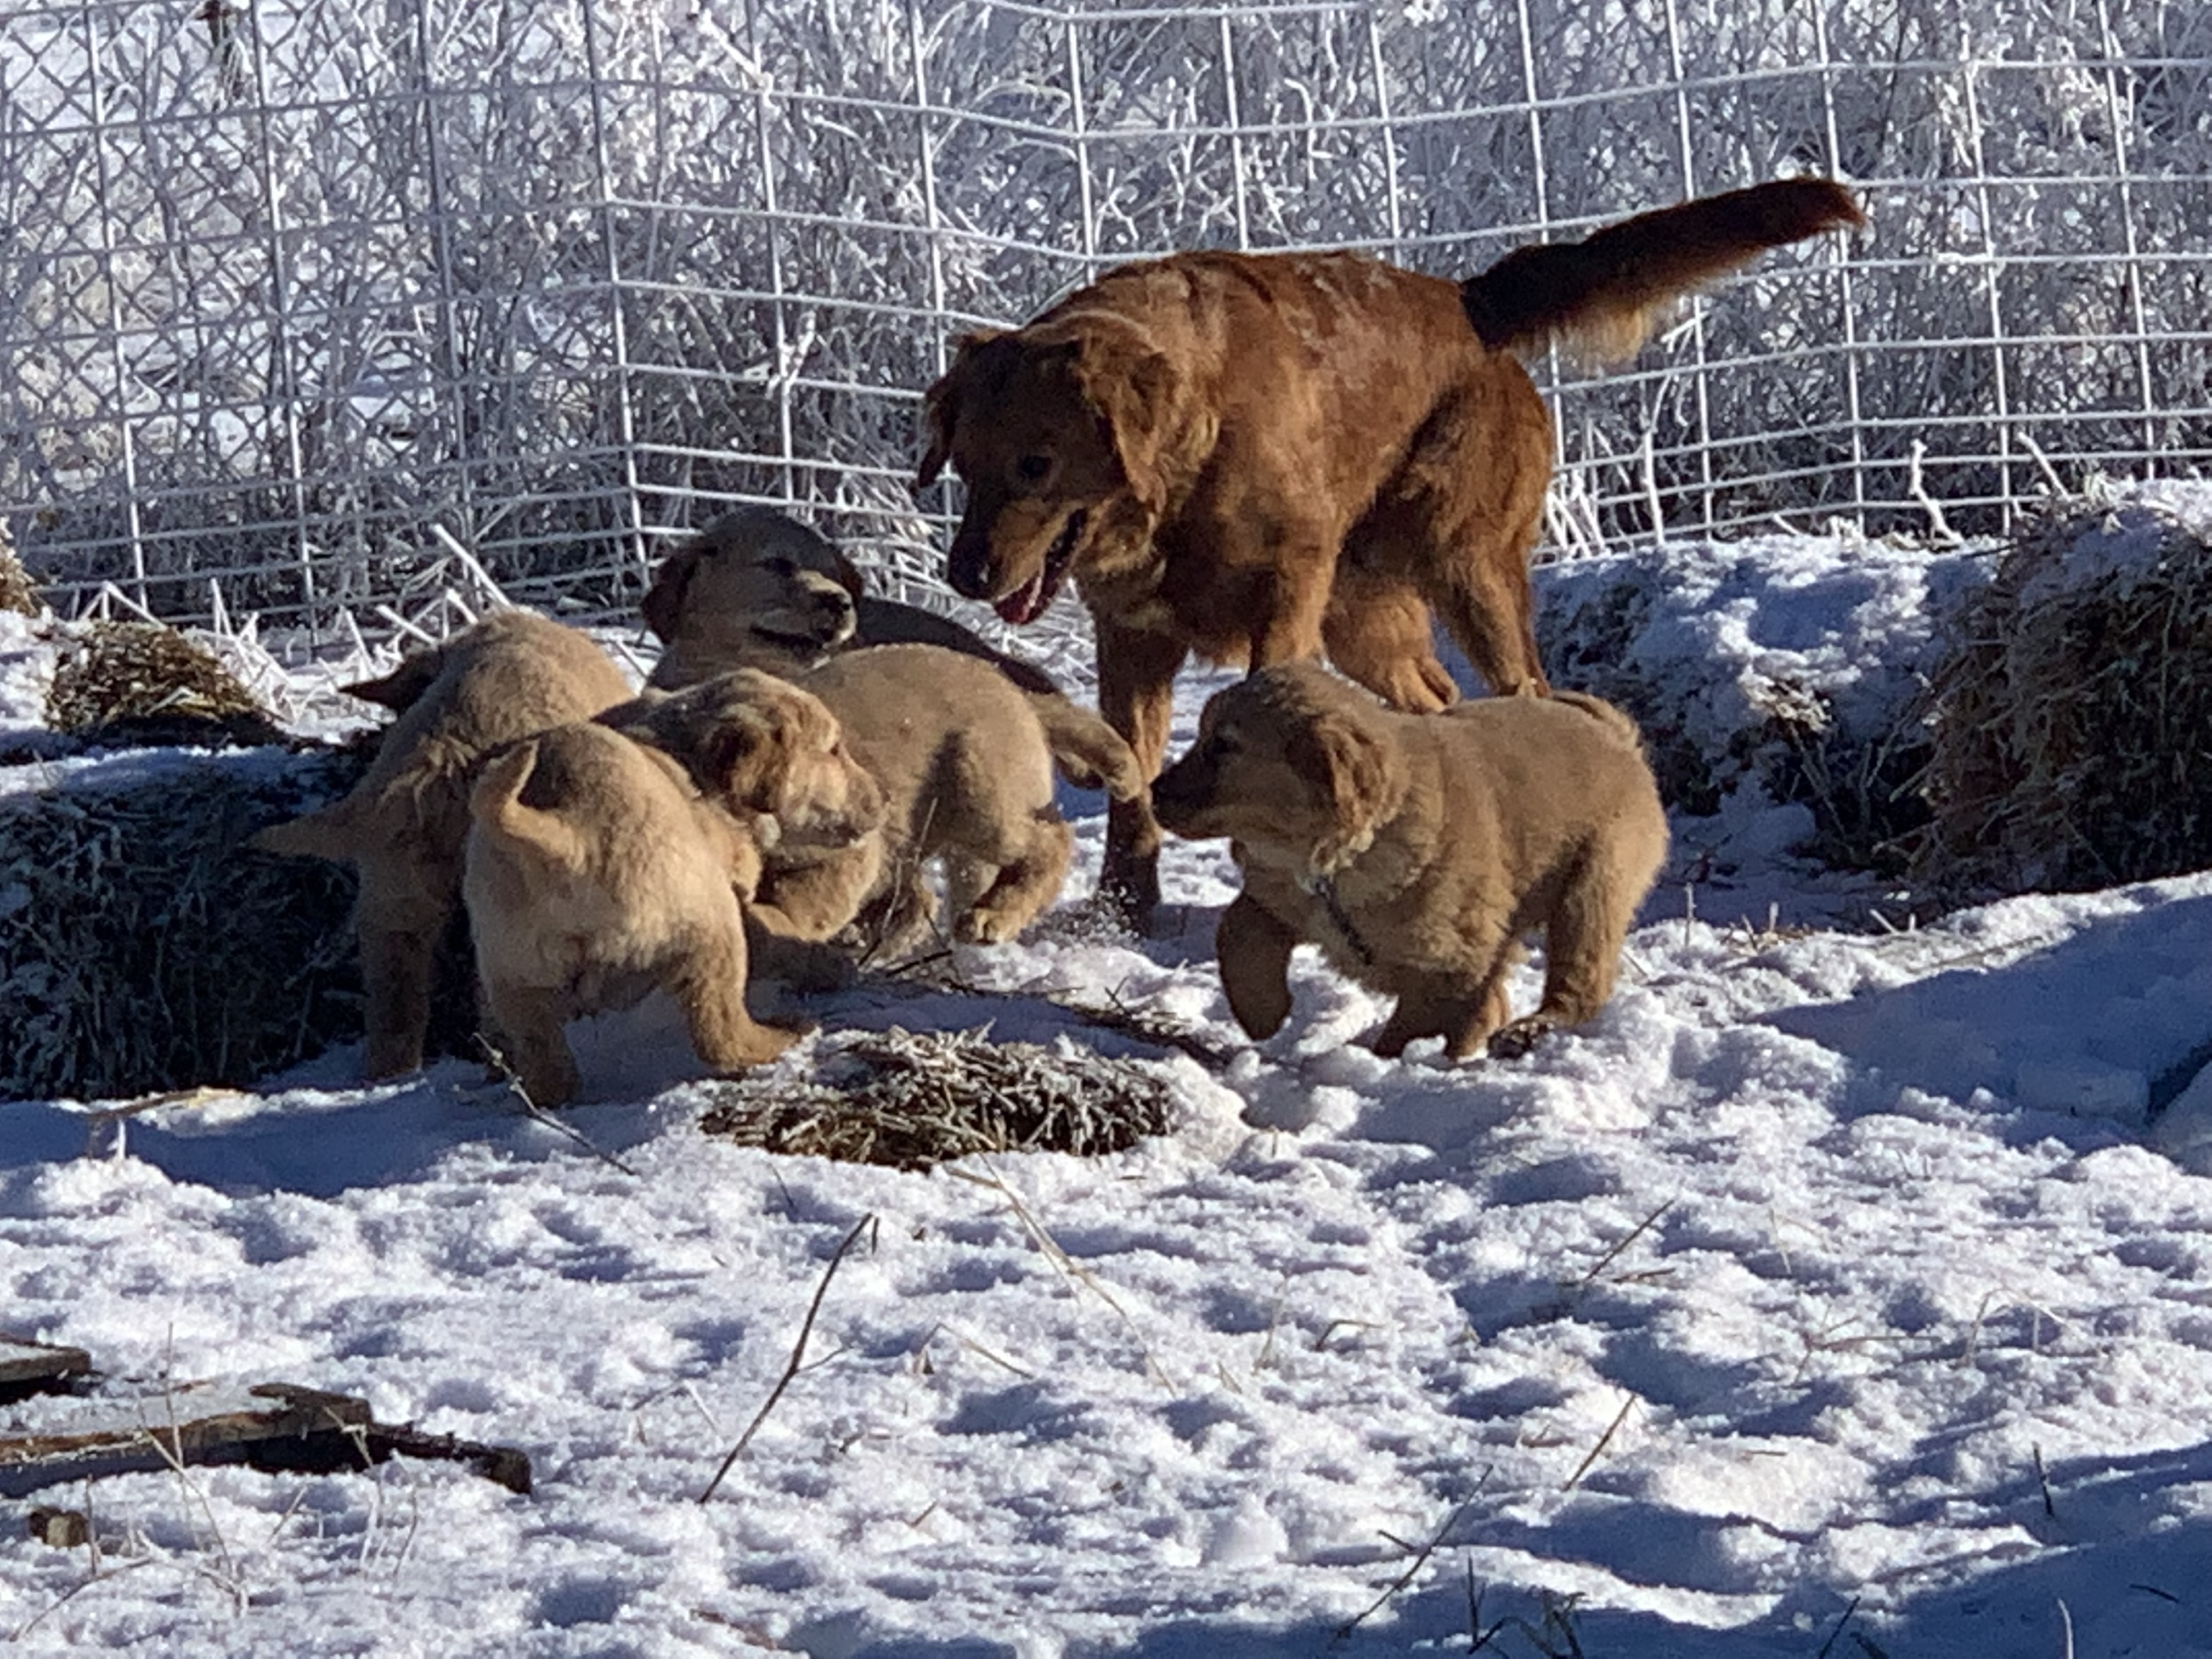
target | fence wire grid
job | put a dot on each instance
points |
(297, 297)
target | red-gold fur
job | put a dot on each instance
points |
(1254, 457)
(1416, 850)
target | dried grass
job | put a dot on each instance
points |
(143, 947)
(18, 593)
(132, 685)
(2071, 713)
(913, 1099)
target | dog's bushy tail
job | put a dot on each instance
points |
(1600, 297)
(1089, 753)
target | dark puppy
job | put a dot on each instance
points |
(1254, 457)
(1416, 849)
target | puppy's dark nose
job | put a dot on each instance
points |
(1176, 793)
(968, 566)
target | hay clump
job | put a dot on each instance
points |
(137, 684)
(18, 593)
(913, 1099)
(143, 947)
(2072, 708)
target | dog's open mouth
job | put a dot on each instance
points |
(1027, 603)
(807, 640)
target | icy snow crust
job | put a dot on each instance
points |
(1832, 1282)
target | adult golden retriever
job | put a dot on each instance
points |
(1416, 849)
(1254, 457)
(404, 825)
(593, 873)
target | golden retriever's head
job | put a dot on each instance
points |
(1292, 759)
(1060, 431)
(754, 586)
(767, 750)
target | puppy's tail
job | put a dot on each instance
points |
(1089, 753)
(496, 804)
(326, 833)
(1618, 723)
(1600, 297)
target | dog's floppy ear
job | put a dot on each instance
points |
(399, 690)
(663, 604)
(1363, 778)
(940, 406)
(749, 756)
(1136, 392)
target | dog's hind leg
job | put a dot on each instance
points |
(524, 1027)
(1378, 632)
(1583, 939)
(708, 984)
(1462, 519)
(991, 903)
(396, 966)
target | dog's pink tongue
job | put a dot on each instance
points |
(1023, 602)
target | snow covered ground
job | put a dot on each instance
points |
(1833, 1293)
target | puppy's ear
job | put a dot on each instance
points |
(940, 406)
(399, 690)
(1137, 392)
(1363, 778)
(663, 604)
(749, 756)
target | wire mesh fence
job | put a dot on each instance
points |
(294, 297)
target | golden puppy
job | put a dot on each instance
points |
(593, 873)
(1416, 849)
(774, 757)
(403, 827)
(966, 773)
(757, 589)
(1254, 457)
(755, 576)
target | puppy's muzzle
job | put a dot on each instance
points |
(1180, 794)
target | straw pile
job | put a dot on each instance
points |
(2072, 708)
(912, 1099)
(143, 948)
(138, 684)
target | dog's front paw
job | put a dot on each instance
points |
(1512, 1041)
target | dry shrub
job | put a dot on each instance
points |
(143, 947)
(2071, 710)
(132, 685)
(911, 1099)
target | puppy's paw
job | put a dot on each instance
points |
(1513, 1041)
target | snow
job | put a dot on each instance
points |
(1835, 1286)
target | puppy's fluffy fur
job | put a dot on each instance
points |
(1416, 849)
(757, 589)
(1252, 457)
(593, 873)
(404, 825)
(773, 755)
(966, 773)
